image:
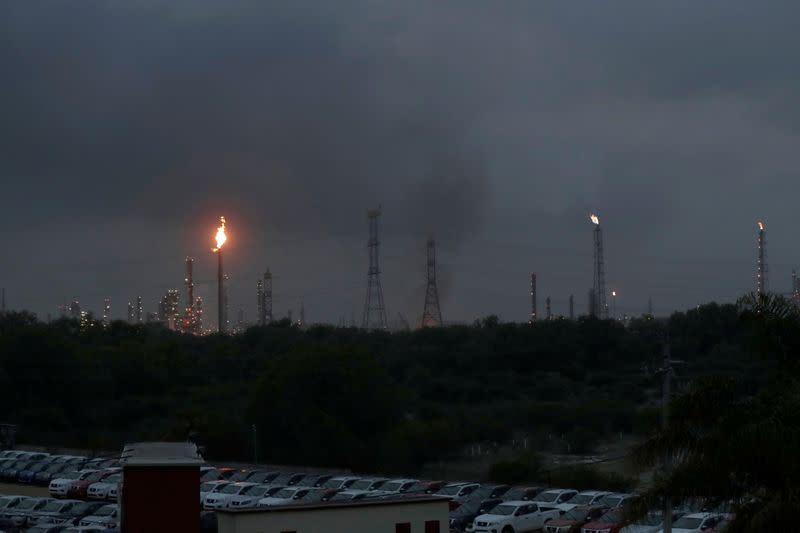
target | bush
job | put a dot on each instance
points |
(583, 477)
(525, 468)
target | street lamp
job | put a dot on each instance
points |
(614, 304)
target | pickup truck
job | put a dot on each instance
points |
(514, 517)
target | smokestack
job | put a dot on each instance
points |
(533, 298)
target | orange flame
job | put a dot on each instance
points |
(761, 226)
(594, 218)
(220, 236)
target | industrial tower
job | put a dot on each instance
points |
(106, 310)
(761, 266)
(139, 310)
(260, 303)
(548, 314)
(600, 307)
(533, 298)
(267, 297)
(374, 310)
(795, 288)
(189, 318)
(432, 314)
(571, 307)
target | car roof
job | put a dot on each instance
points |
(402, 481)
(593, 492)
(700, 515)
(515, 502)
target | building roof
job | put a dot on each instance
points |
(161, 454)
(366, 502)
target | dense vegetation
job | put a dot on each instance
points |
(348, 398)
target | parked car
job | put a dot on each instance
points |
(10, 472)
(426, 487)
(651, 523)
(250, 496)
(589, 497)
(464, 516)
(60, 486)
(522, 493)
(80, 488)
(78, 512)
(46, 476)
(44, 528)
(55, 512)
(488, 491)
(617, 499)
(283, 496)
(9, 503)
(100, 490)
(573, 520)
(350, 495)
(27, 475)
(314, 480)
(397, 486)
(220, 499)
(10, 454)
(458, 491)
(263, 477)
(105, 517)
(514, 517)
(285, 478)
(340, 482)
(23, 512)
(315, 495)
(84, 529)
(696, 523)
(368, 484)
(553, 498)
(610, 522)
(209, 473)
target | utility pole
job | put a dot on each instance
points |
(432, 313)
(667, 372)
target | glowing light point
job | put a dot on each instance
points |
(220, 237)
(595, 220)
(761, 226)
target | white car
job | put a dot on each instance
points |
(695, 523)
(208, 487)
(514, 517)
(368, 484)
(105, 517)
(556, 499)
(284, 496)
(22, 513)
(458, 491)
(397, 486)
(250, 497)
(8, 504)
(588, 497)
(60, 486)
(340, 482)
(350, 495)
(53, 511)
(219, 500)
(101, 489)
(616, 500)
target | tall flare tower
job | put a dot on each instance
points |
(532, 319)
(374, 309)
(432, 313)
(267, 305)
(761, 266)
(600, 307)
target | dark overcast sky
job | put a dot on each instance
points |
(128, 126)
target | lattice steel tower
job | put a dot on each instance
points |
(260, 303)
(374, 309)
(432, 314)
(533, 298)
(600, 308)
(761, 267)
(267, 304)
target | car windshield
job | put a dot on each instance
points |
(5, 501)
(207, 486)
(613, 516)
(54, 468)
(504, 510)
(334, 483)
(97, 476)
(313, 495)
(53, 507)
(488, 507)
(450, 491)
(240, 476)
(113, 478)
(284, 493)
(688, 522)
(650, 520)
(71, 475)
(583, 499)
(342, 496)
(83, 508)
(547, 497)
(612, 501)
(261, 477)
(255, 490)
(363, 484)
(108, 510)
(231, 489)
(392, 486)
(30, 503)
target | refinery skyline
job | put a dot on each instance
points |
(296, 117)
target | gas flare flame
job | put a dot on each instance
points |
(220, 236)
(594, 218)
(761, 226)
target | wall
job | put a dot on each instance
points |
(361, 519)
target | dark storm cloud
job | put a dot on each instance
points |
(494, 126)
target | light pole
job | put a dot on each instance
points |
(614, 305)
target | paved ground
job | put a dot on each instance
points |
(23, 490)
